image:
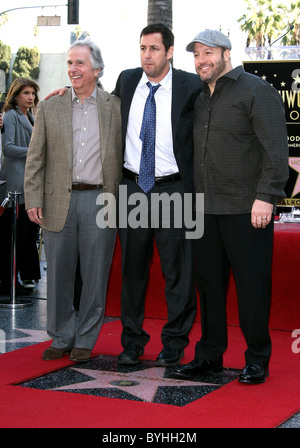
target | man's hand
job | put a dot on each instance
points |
(59, 92)
(1, 120)
(261, 214)
(35, 215)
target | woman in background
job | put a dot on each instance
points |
(18, 120)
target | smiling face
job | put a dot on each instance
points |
(154, 58)
(211, 63)
(81, 73)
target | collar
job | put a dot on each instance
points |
(93, 95)
(18, 110)
(233, 74)
(166, 82)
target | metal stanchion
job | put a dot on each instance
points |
(14, 302)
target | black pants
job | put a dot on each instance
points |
(176, 257)
(27, 255)
(231, 241)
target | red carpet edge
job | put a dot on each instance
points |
(232, 406)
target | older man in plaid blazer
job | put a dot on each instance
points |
(75, 155)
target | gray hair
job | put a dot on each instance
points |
(96, 56)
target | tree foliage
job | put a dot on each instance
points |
(3, 19)
(265, 21)
(5, 57)
(26, 63)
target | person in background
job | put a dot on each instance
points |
(18, 120)
(1, 128)
(241, 166)
(1, 116)
(75, 156)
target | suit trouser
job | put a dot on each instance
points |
(232, 241)
(28, 264)
(176, 257)
(81, 238)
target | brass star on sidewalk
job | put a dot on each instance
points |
(32, 337)
(142, 384)
(294, 163)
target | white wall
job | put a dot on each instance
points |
(53, 73)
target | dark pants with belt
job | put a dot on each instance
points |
(232, 241)
(27, 258)
(176, 257)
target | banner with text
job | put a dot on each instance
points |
(284, 76)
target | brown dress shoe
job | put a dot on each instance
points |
(80, 354)
(54, 353)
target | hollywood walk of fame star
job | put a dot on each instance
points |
(33, 337)
(142, 384)
(294, 163)
(297, 79)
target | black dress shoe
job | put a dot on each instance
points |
(168, 358)
(130, 356)
(254, 374)
(199, 367)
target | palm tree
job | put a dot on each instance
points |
(3, 18)
(292, 17)
(160, 11)
(265, 21)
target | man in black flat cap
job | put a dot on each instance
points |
(241, 165)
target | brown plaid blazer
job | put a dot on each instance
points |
(48, 171)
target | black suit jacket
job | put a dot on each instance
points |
(185, 89)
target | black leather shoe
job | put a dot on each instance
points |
(199, 367)
(168, 358)
(254, 374)
(130, 356)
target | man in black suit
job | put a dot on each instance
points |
(174, 99)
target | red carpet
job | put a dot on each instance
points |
(232, 406)
(285, 308)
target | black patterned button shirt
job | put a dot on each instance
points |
(241, 149)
